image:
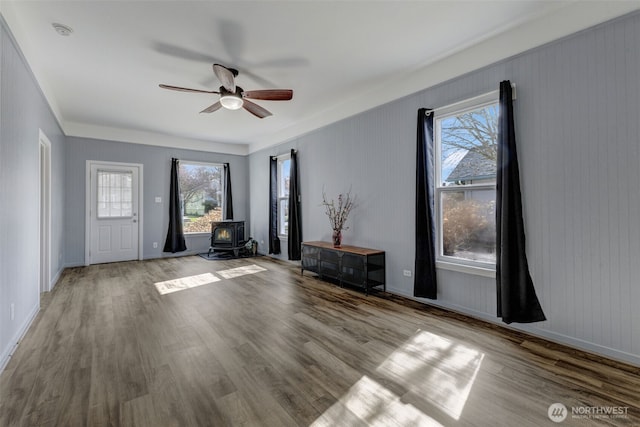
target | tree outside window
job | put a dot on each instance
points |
(201, 193)
(466, 142)
(284, 166)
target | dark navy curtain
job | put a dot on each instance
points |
(228, 200)
(274, 241)
(295, 220)
(517, 300)
(175, 236)
(425, 284)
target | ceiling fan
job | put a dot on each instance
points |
(233, 97)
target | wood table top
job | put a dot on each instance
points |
(345, 248)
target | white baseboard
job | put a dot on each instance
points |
(13, 343)
(530, 329)
(55, 278)
(188, 252)
(601, 350)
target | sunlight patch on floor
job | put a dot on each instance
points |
(439, 370)
(431, 368)
(183, 283)
(240, 271)
(368, 402)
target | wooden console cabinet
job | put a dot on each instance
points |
(347, 264)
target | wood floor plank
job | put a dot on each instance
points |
(139, 412)
(274, 348)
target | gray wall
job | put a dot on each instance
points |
(578, 134)
(23, 111)
(156, 163)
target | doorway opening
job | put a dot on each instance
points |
(45, 211)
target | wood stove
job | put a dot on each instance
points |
(227, 236)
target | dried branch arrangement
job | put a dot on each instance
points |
(338, 212)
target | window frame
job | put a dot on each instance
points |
(282, 234)
(222, 186)
(443, 261)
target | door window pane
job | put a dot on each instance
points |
(115, 196)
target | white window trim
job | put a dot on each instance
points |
(448, 262)
(281, 159)
(468, 269)
(188, 234)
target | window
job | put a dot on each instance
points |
(466, 140)
(115, 196)
(284, 165)
(201, 194)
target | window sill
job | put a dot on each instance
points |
(468, 269)
(198, 234)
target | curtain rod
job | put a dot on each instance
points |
(495, 92)
(284, 154)
(200, 162)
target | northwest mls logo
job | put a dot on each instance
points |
(557, 412)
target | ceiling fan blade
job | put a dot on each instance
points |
(270, 94)
(225, 76)
(255, 109)
(212, 108)
(186, 89)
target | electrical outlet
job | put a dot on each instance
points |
(13, 311)
(406, 273)
(155, 245)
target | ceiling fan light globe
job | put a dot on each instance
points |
(231, 102)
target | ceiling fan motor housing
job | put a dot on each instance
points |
(231, 100)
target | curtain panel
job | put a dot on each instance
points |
(517, 300)
(295, 220)
(228, 200)
(425, 284)
(274, 241)
(175, 235)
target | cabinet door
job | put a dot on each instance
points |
(329, 263)
(352, 269)
(310, 256)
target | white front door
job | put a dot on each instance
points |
(113, 212)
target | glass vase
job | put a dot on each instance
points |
(337, 238)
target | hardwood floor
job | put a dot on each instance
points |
(267, 347)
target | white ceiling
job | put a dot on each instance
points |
(339, 57)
